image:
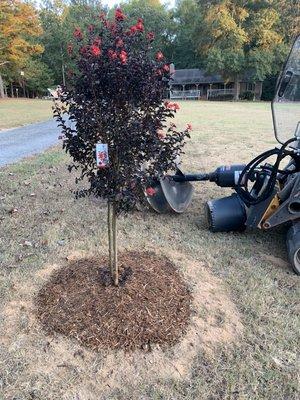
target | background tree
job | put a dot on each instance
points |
(19, 28)
(239, 38)
(155, 16)
(187, 22)
(116, 99)
(59, 19)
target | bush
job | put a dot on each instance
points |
(248, 95)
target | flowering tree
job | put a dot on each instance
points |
(115, 100)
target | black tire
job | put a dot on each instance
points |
(293, 246)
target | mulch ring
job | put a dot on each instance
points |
(151, 305)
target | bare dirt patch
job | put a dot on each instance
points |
(151, 305)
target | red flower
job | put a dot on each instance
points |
(159, 56)
(166, 68)
(112, 54)
(189, 127)
(160, 133)
(70, 48)
(158, 72)
(102, 16)
(140, 25)
(133, 29)
(119, 43)
(83, 50)
(171, 106)
(97, 41)
(150, 36)
(123, 57)
(150, 191)
(119, 16)
(78, 34)
(95, 50)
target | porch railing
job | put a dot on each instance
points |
(219, 92)
(185, 94)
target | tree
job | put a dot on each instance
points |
(239, 37)
(155, 16)
(38, 76)
(19, 26)
(187, 21)
(58, 20)
(116, 100)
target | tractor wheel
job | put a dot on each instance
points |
(293, 246)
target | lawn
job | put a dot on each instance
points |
(16, 112)
(243, 338)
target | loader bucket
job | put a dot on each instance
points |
(171, 196)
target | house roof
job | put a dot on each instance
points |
(196, 75)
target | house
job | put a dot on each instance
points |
(196, 84)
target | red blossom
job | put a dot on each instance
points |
(150, 36)
(171, 106)
(97, 41)
(166, 68)
(102, 16)
(78, 34)
(189, 127)
(83, 50)
(158, 72)
(159, 56)
(133, 29)
(160, 133)
(112, 26)
(112, 54)
(95, 50)
(123, 57)
(119, 16)
(70, 48)
(150, 191)
(119, 43)
(140, 25)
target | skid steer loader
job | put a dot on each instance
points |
(266, 194)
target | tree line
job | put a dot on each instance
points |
(228, 37)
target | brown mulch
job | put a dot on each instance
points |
(151, 305)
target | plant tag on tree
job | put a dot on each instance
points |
(102, 155)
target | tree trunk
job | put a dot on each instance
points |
(12, 90)
(109, 227)
(236, 88)
(112, 242)
(2, 95)
(115, 251)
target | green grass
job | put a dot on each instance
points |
(234, 277)
(16, 112)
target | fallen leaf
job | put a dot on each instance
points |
(27, 243)
(13, 210)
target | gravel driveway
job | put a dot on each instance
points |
(24, 141)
